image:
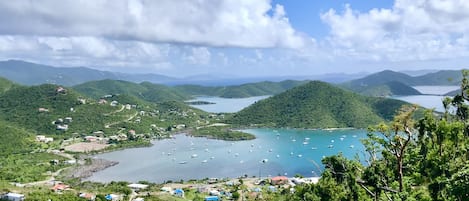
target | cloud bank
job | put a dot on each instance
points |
(236, 23)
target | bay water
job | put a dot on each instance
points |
(273, 152)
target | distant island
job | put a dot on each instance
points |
(199, 103)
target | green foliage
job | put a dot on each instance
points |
(317, 105)
(27, 167)
(222, 133)
(145, 91)
(241, 91)
(387, 89)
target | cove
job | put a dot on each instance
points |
(273, 152)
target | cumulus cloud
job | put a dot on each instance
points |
(410, 30)
(239, 23)
(198, 56)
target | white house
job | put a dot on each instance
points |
(13, 197)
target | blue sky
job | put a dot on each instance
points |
(241, 38)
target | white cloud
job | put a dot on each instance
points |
(410, 30)
(239, 23)
(198, 56)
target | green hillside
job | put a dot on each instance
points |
(46, 109)
(146, 91)
(242, 91)
(389, 89)
(317, 105)
(443, 77)
(18, 140)
(6, 85)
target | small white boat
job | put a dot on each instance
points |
(332, 141)
(206, 150)
(351, 146)
(250, 150)
(354, 135)
(291, 153)
(299, 155)
(307, 138)
(293, 140)
(341, 139)
(236, 154)
(314, 148)
(182, 162)
(204, 161)
(270, 150)
(330, 146)
(194, 156)
(305, 143)
(252, 145)
(241, 161)
(278, 156)
(212, 157)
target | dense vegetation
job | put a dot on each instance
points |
(241, 91)
(388, 83)
(408, 159)
(317, 105)
(387, 89)
(221, 132)
(145, 91)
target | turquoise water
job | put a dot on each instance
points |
(229, 105)
(288, 152)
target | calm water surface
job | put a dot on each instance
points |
(229, 105)
(287, 151)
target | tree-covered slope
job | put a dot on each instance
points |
(14, 140)
(6, 85)
(389, 89)
(146, 91)
(317, 105)
(241, 91)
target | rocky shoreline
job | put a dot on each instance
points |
(87, 169)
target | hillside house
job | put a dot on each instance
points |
(41, 109)
(178, 192)
(60, 187)
(137, 187)
(98, 133)
(82, 101)
(128, 106)
(87, 196)
(68, 120)
(44, 139)
(13, 197)
(61, 90)
(114, 103)
(62, 127)
(102, 101)
(90, 138)
(279, 180)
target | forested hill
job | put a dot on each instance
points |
(387, 89)
(6, 85)
(390, 83)
(318, 105)
(241, 91)
(146, 91)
